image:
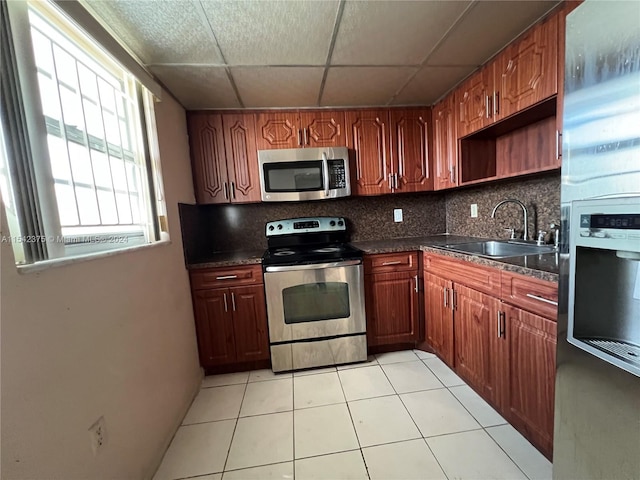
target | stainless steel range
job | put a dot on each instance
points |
(314, 286)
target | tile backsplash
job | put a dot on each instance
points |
(208, 229)
(242, 227)
(541, 195)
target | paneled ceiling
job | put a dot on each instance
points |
(322, 53)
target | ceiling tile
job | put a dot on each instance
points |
(353, 86)
(278, 86)
(430, 84)
(160, 31)
(392, 32)
(273, 33)
(198, 87)
(485, 29)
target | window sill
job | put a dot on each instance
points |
(59, 262)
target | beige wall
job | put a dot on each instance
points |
(113, 337)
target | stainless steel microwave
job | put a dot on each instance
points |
(296, 174)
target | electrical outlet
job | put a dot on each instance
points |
(474, 210)
(98, 435)
(397, 214)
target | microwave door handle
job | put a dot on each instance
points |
(325, 173)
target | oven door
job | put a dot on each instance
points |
(315, 301)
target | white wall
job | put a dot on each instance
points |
(112, 336)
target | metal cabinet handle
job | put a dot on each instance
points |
(233, 190)
(500, 323)
(304, 134)
(233, 301)
(496, 103)
(417, 289)
(390, 182)
(558, 144)
(540, 299)
(395, 181)
(299, 138)
(398, 262)
(486, 105)
(227, 277)
(226, 309)
(226, 191)
(445, 295)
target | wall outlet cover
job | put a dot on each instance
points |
(474, 210)
(397, 214)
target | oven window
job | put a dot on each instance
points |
(315, 302)
(293, 176)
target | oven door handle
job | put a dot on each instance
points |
(313, 266)
(325, 173)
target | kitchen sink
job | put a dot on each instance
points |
(499, 249)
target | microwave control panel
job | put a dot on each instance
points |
(337, 174)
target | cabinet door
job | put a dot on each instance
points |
(475, 320)
(242, 158)
(474, 101)
(368, 136)
(323, 129)
(214, 327)
(392, 308)
(527, 70)
(410, 150)
(278, 130)
(445, 144)
(206, 140)
(532, 369)
(439, 316)
(250, 323)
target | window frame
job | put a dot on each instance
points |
(153, 228)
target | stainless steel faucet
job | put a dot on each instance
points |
(524, 211)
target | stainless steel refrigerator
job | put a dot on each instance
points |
(597, 405)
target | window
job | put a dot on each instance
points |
(97, 178)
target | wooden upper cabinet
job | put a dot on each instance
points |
(242, 157)
(367, 133)
(278, 130)
(410, 149)
(445, 144)
(300, 129)
(206, 139)
(224, 157)
(322, 129)
(474, 100)
(526, 72)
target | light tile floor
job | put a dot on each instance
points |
(400, 415)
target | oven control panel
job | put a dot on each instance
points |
(305, 225)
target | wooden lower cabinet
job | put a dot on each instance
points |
(392, 304)
(531, 371)
(505, 353)
(439, 316)
(474, 332)
(231, 325)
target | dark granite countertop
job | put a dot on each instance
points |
(544, 266)
(228, 259)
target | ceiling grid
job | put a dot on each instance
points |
(233, 54)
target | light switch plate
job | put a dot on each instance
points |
(474, 210)
(397, 214)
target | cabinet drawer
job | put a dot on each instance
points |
(478, 277)
(536, 296)
(390, 262)
(226, 277)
